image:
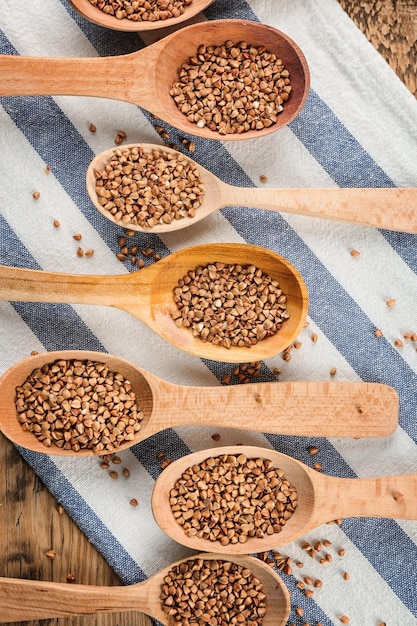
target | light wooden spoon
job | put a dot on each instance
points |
(145, 77)
(95, 15)
(147, 294)
(321, 499)
(320, 409)
(23, 600)
(389, 208)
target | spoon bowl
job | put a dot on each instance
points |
(145, 77)
(97, 16)
(147, 294)
(319, 499)
(23, 600)
(388, 208)
(292, 408)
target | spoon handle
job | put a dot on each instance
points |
(25, 285)
(22, 600)
(122, 77)
(390, 208)
(392, 497)
(321, 409)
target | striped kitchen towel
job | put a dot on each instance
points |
(357, 129)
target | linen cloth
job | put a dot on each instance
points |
(358, 128)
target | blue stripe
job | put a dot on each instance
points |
(84, 516)
(344, 159)
(167, 443)
(335, 148)
(398, 568)
(224, 9)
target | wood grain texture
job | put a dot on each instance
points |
(29, 518)
(391, 27)
(31, 524)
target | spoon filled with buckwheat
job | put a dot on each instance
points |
(139, 16)
(260, 598)
(220, 79)
(247, 499)
(231, 302)
(152, 188)
(82, 403)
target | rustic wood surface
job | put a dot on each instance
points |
(30, 520)
(391, 26)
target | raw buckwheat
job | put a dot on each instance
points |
(149, 188)
(76, 405)
(232, 88)
(230, 499)
(230, 304)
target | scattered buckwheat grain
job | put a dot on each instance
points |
(50, 554)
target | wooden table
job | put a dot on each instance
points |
(391, 26)
(31, 522)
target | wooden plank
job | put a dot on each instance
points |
(32, 523)
(391, 27)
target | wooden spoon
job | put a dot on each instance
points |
(23, 600)
(321, 499)
(145, 77)
(320, 409)
(95, 15)
(390, 208)
(148, 295)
